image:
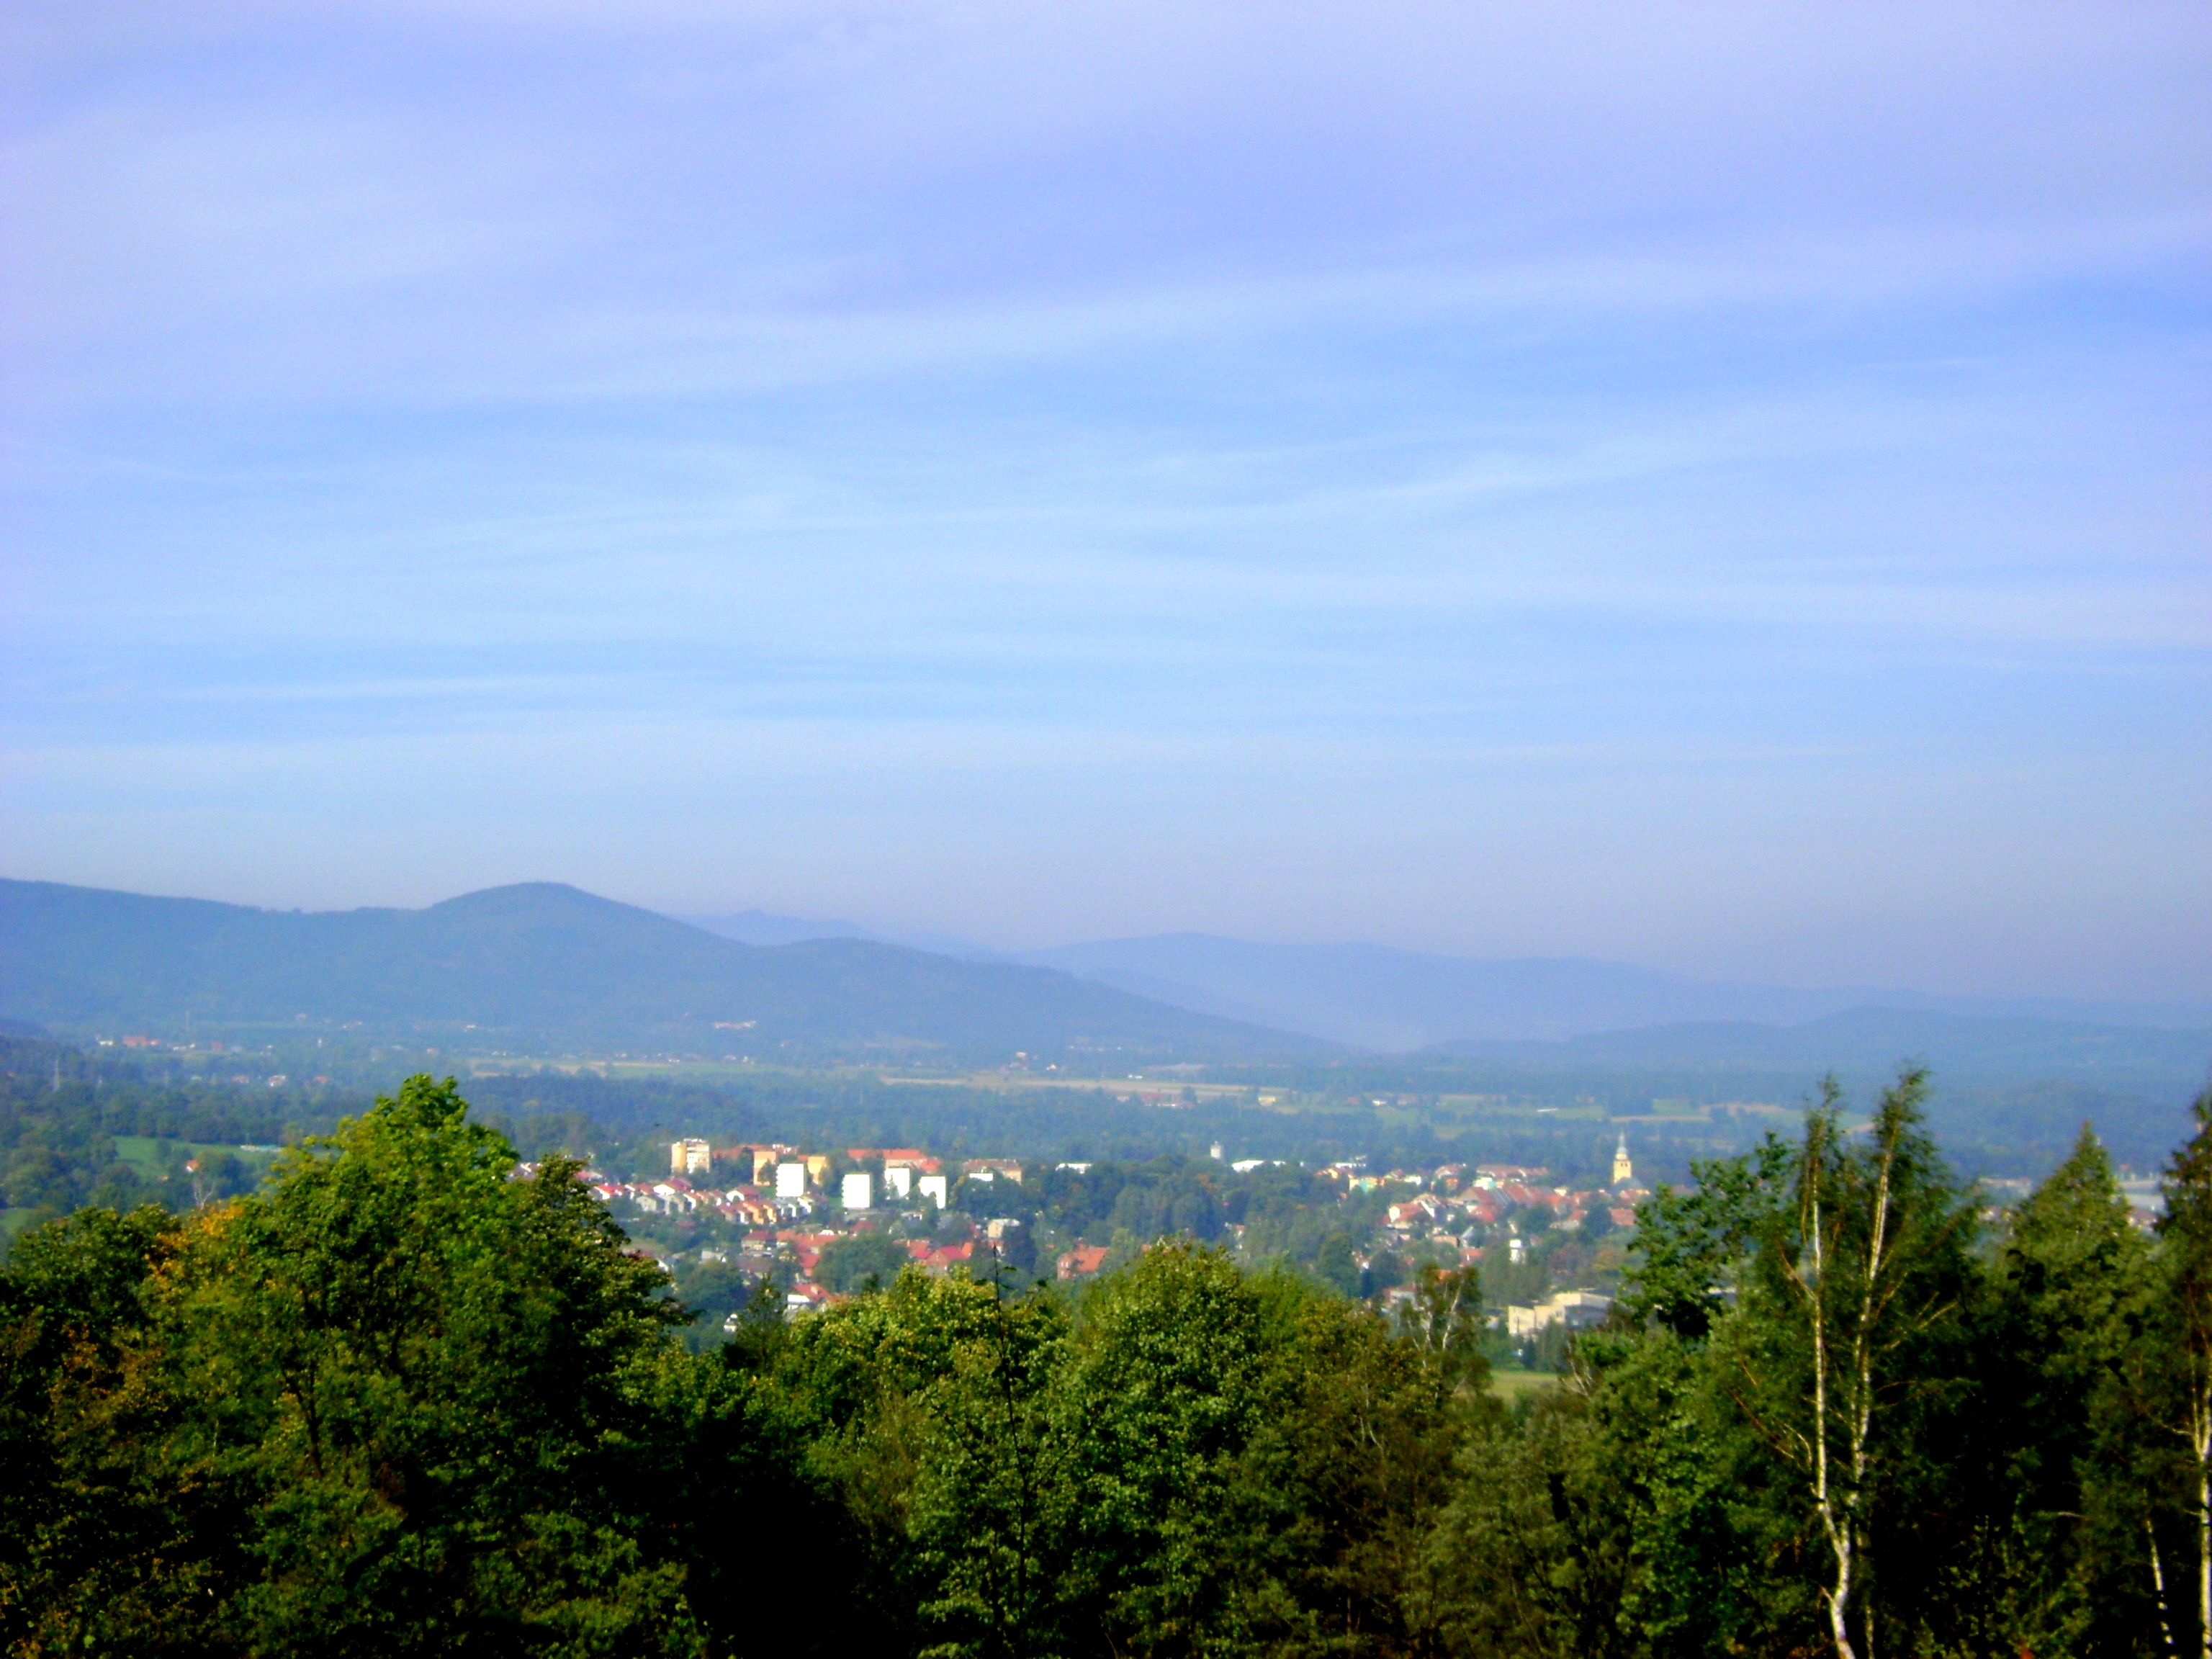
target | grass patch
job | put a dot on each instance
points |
(1516, 1386)
(148, 1154)
(143, 1153)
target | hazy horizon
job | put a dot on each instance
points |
(1712, 488)
(771, 928)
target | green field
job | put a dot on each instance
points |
(1517, 1385)
(146, 1154)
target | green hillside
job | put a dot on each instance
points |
(541, 962)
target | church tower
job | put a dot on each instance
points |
(1623, 1171)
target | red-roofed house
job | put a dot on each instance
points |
(1083, 1260)
(939, 1258)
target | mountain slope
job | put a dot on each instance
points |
(544, 961)
(1381, 997)
(761, 927)
(765, 928)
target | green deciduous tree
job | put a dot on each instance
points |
(1858, 1289)
(408, 1398)
(2185, 1237)
(406, 1402)
(437, 1378)
(1691, 1245)
(995, 1505)
(2060, 1566)
(863, 1261)
(100, 1544)
(1171, 1365)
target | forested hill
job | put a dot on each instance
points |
(541, 962)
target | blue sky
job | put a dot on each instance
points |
(1720, 486)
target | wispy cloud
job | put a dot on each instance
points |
(1036, 468)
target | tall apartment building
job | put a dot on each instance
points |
(687, 1157)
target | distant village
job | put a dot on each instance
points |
(775, 1213)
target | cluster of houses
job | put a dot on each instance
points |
(1472, 1206)
(777, 1185)
(1486, 1211)
(798, 1252)
(790, 1205)
(786, 1202)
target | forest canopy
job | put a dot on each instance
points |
(411, 1396)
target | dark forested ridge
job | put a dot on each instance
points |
(410, 1397)
(546, 964)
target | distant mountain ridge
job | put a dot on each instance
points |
(761, 927)
(544, 962)
(1399, 1001)
(548, 966)
(1373, 996)
(1551, 1014)
(765, 927)
(1870, 1042)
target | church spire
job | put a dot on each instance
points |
(1623, 1171)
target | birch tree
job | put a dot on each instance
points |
(1859, 1270)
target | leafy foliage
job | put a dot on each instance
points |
(404, 1400)
(863, 1261)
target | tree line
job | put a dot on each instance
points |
(408, 1398)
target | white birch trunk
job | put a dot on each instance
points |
(1863, 1381)
(1840, 1515)
(2158, 1580)
(1838, 1530)
(2200, 1428)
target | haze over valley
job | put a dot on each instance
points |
(540, 973)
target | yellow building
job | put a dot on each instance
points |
(689, 1158)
